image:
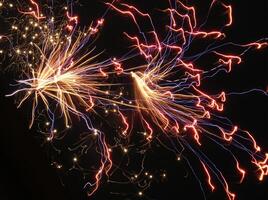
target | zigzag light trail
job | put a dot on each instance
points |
(168, 90)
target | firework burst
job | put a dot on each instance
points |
(60, 73)
(168, 89)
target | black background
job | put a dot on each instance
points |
(25, 169)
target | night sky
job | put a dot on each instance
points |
(26, 170)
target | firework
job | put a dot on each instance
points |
(168, 92)
(63, 76)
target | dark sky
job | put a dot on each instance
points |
(26, 173)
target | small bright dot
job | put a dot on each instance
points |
(59, 166)
(146, 173)
(164, 175)
(75, 159)
(136, 176)
(47, 123)
(55, 131)
(95, 132)
(125, 150)
(140, 193)
(130, 102)
(1, 4)
(11, 5)
(151, 176)
(178, 158)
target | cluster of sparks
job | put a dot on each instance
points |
(67, 80)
